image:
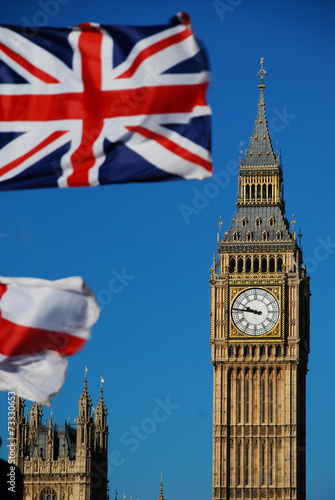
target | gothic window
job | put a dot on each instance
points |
(258, 191)
(264, 265)
(48, 494)
(279, 264)
(271, 465)
(272, 264)
(271, 221)
(232, 264)
(263, 401)
(278, 350)
(264, 192)
(270, 192)
(253, 192)
(246, 351)
(235, 236)
(238, 464)
(247, 191)
(248, 265)
(230, 350)
(240, 265)
(244, 221)
(265, 236)
(263, 464)
(249, 236)
(258, 221)
(247, 465)
(247, 389)
(239, 400)
(256, 264)
(279, 235)
(262, 351)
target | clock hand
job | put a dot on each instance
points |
(247, 310)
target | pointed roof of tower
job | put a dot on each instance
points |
(101, 407)
(161, 496)
(260, 152)
(85, 400)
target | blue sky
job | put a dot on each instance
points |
(151, 343)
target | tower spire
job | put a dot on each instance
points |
(262, 73)
(161, 496)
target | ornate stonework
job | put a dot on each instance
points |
(259, 335)
(63, 462)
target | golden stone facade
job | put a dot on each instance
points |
(259, 336)
(63, 462)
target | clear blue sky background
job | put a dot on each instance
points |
(152, 339)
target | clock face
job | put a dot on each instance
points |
(255, 311)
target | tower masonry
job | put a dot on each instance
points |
(259, 336)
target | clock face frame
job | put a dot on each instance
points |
(256, 311)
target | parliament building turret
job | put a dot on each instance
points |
(63, 461)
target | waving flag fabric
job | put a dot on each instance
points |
(41, 323)
(95, 104)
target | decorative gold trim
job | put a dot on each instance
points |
(277, 289)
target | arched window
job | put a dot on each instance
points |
(258, 221)
(248, 265)
(279, 235)
(249, 236)
(264, 192)
(270, 192)
(240, 265)
(271, 464)
(247, 465)
(265, 236)
(264, 265)
(263, 401)
(279, 264)
(253, 192)
(232, 264)
(258, 192)
(263, 464)
(271, 221)
(235, 236)
(247, 192)
(48, 494)
(272, 264)
(238, 464)
(247, 400)
(244, 221)
(239, 400)
(271, 400)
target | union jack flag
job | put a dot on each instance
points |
(94, 104)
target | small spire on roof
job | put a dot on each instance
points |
(161, 496)
(261, 73)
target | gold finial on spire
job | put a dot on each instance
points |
(261, 73)
(85, 371)
(102, 380)
(220, 224)
(293, 222)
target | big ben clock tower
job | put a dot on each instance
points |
(259, 337)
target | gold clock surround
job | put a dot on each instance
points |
(276, 333)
